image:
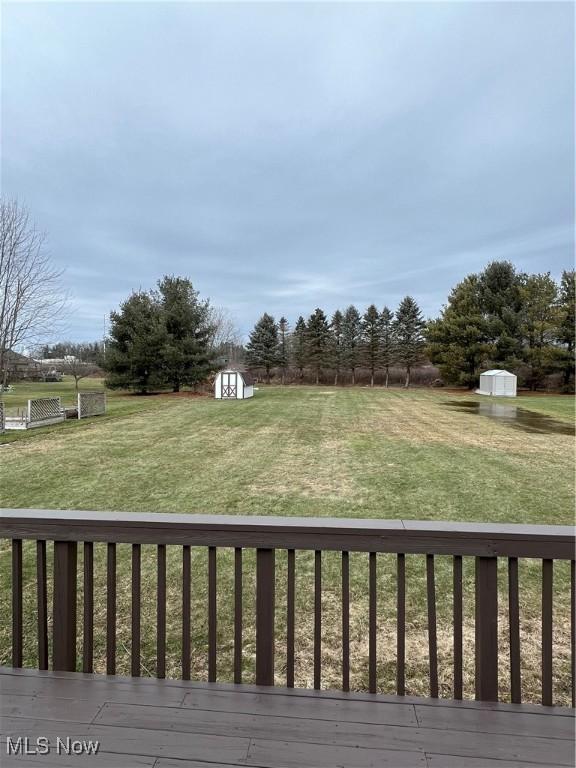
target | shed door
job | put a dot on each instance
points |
(229, 385)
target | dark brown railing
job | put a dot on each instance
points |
(486, 543)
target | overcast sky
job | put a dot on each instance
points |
(289, 156)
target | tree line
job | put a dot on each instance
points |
(498, 318)
(170, 337)
(347, 341)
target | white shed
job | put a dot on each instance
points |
(498, 383)
(233, 385)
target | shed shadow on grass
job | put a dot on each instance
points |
(514, 416)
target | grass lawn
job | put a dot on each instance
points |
(304, 451)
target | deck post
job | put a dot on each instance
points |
(265, 589)
(64, 624)
(487, 629)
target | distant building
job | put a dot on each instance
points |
(56, 361)
(20, 367)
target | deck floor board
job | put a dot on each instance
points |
(176, 724)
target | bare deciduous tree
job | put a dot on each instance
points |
(78, 369)
(224, 328)
(31, 296)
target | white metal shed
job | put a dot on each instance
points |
(233, 385)
(497, 383)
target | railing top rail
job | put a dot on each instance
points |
(377, 535)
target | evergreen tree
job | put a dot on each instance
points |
(388, 347)
(283, 346)
(298, 346)
(336, 328)
(566, 326)
(372, 340)
(186, 353)
(134, 353)
(409, 332)
(539, 324)
(351, 340)
(318, 342)
(501, 303)
(262, 350)
(459, 340)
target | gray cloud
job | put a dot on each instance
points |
(289, 156)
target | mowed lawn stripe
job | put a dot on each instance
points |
(352, 452)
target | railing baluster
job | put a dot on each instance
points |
(290, 612)
(486, 629)
(88, 626)
(573, 629)
(457, 621)
(42, 604)
(265, 597)
(547, 577)
(136, 589)
(186, 598)
(111, 609)
(512, 542)
(64, 611)
(238, 615)
(317, 618)
(16, 602)
(211, 614)
(514, 631)
(161, 613)
(401, 624)
(345, 621)
(372, 676)
(432, 642)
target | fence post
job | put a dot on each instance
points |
(487, 629)
(265, 588)
(64, 621)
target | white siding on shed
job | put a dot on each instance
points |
(231, 385)
(497, 383)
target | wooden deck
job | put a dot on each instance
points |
(174, 724)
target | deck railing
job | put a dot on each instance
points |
(483, 542)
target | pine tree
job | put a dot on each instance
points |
(500, 300)
(160, 338)
(388, 346)
(567, 326)
(186, 354)
(283, 346)
(539, 323)
(298, 346)
(137, 338)
(318, 342)
(336, 328)
(262, 350)
(372, 340)
(409, 332)
(351, 340)
(459, 341)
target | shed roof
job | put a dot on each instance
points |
(497, 372)
(246, 376)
